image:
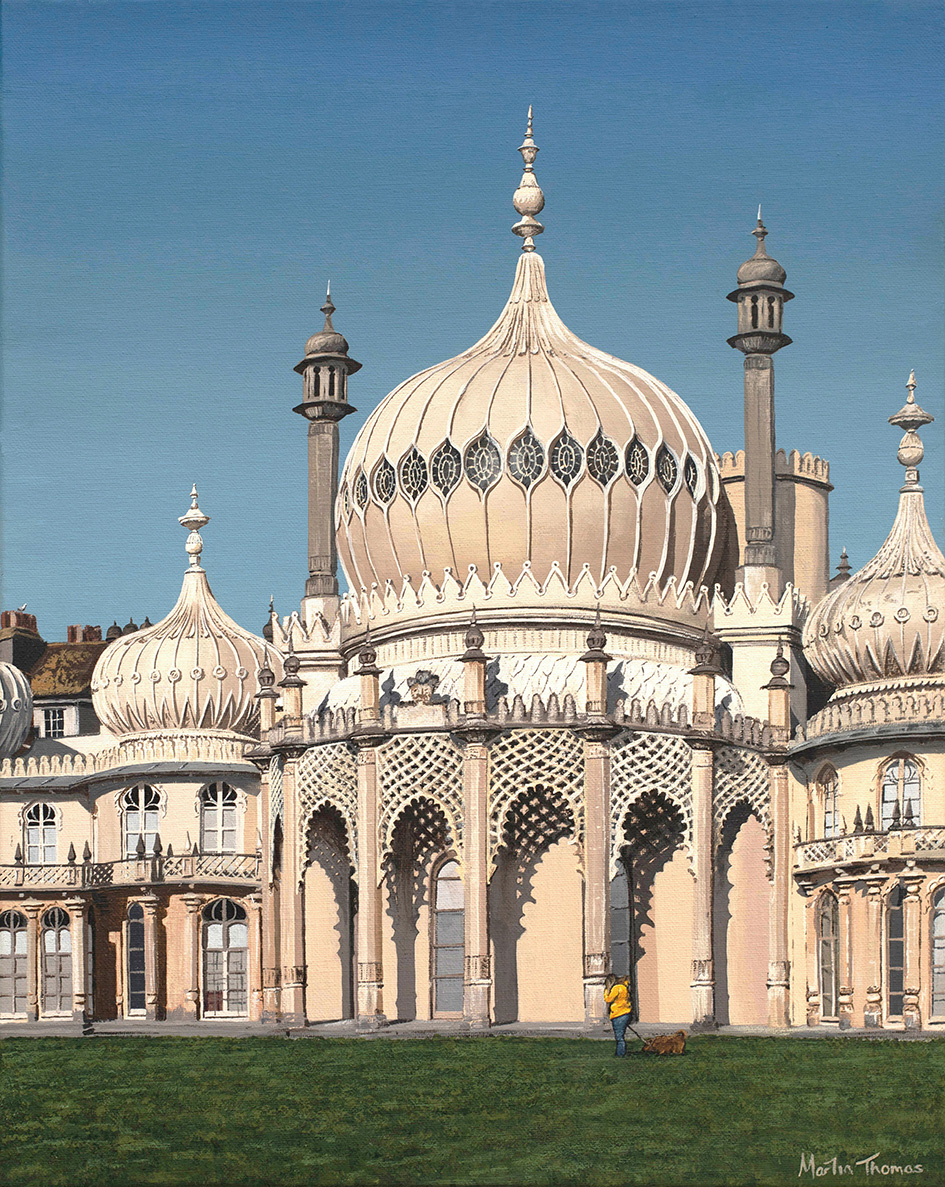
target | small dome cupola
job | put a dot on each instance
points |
(888, 619)
(195, 669)
(760, 297)
(325, 370)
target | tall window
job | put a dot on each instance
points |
(54, 723)
(135, 957)
(895, 953)
(141, 806)
(448, 939)
(901, 786)
(41, 835)
(938, 954)
(829, 928)
(218, 819)
(620, 920)
(57, 963)
(828, 794)
(13, 963)
(225, 942)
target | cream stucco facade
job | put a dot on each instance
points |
(591, 704)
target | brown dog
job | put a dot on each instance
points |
(674, 1044)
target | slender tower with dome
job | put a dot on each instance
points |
(760, 297)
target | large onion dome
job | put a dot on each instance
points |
(16, 709)
(888, 619)
(532, 447)
(195, 669)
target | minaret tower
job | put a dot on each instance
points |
(324, 370)
(760, 297)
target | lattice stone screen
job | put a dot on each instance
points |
(641, 762)
(740, 776)
(276, 805)
(328, 775)
(418, 766)
(524, 759)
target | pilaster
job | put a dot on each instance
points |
(370, 1004)
(703, 970)
(911, 921)
(597, 938)
(32, 911)
(873, 1012)
(846, 988)
(149, 904)
(194, 904)
(77, 908)
(292, 938)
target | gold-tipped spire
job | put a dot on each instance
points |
(528, 199)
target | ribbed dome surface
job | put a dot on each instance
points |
(888, 619)
(532, 446)
(16, 709)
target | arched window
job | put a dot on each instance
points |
(901, 785)
(225, 943)
(895, 953)
(828, 784)
(218, 819)
(13, 963)
(938, 955)
(137, 1003)
(57, 963)
(141, 806)
(828, 926)
(448, 939)
(41, 835)
(620, 922)
(754, 313)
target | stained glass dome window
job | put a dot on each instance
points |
(526, 458)
(483, 463)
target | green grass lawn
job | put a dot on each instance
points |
(466, 1110)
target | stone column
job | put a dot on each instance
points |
(149, 904)
(911, 923)
(270, 981)
(254, 971)
(194, 905)
(810, 954)
(845, 954)
(873, 1013)
(33, 958)
(478, 970)
(778, 962)
(703, 970)
(370, 964)
(596, 876)
(77, 908)
(779, 716)
(292, 936)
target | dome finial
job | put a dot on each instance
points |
(528, 199)
(328, 309)
(911, 417)
(194, 520)
(759, 233)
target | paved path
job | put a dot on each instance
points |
(416, 1030)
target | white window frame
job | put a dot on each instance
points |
(39, 835)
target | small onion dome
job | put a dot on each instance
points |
(532, 448)
(888, 619)
(16, 709)
(327, 340)
(761, 268)
(113, 632)
(195, 669)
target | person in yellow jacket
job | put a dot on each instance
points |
(617, 996)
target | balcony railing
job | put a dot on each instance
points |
(191, 867)
(901, 842)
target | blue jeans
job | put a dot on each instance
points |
(620, 1029)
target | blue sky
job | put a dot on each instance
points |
(181, 180)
